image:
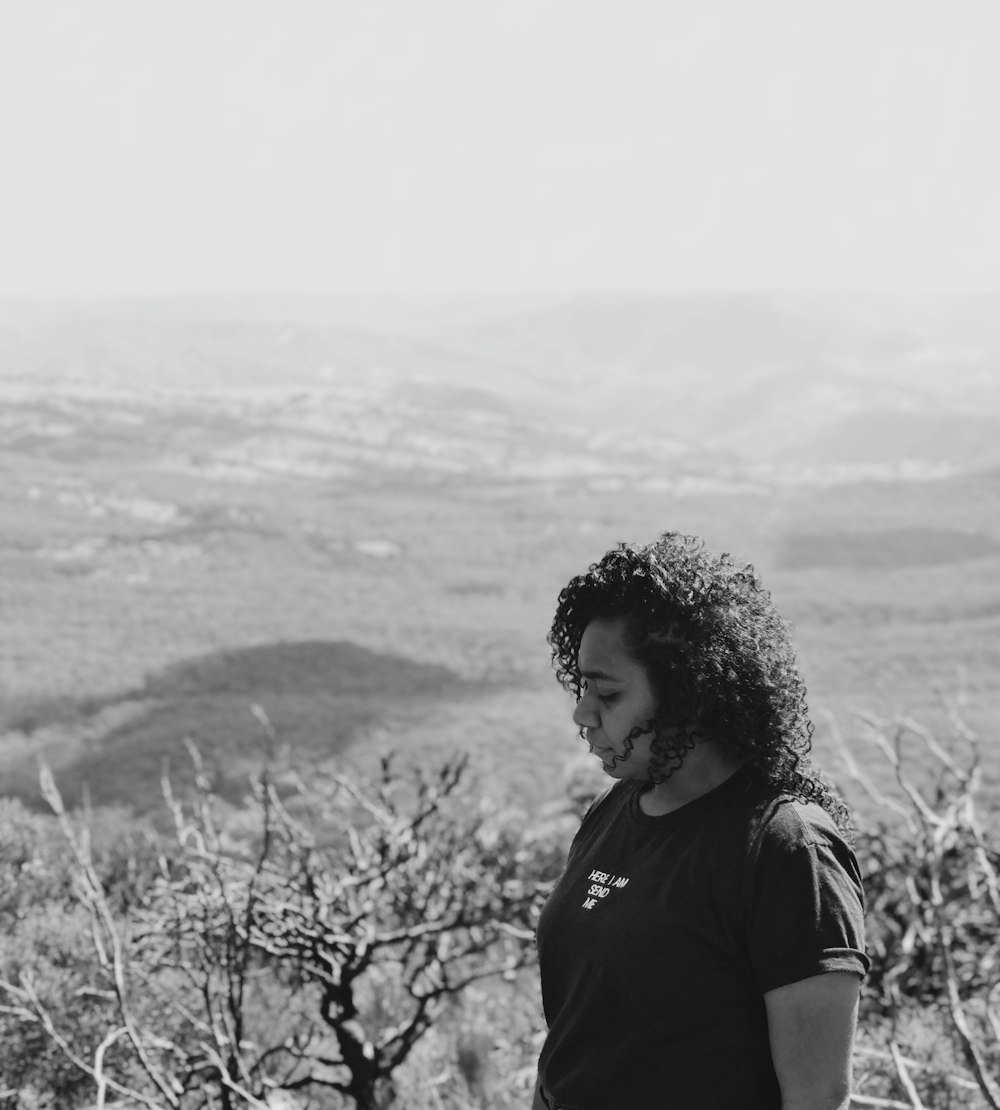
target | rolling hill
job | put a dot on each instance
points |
(212, 502)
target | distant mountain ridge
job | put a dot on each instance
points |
(357, 512)
(775, 379)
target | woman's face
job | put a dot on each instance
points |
(616, 698)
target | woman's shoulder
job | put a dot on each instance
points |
(797, 821)
(779, 821)
(791, 828)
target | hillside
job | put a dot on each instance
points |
(212, 503)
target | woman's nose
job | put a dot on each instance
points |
(583, 714)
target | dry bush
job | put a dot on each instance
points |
(929, 1033)
(370, 945)
(312, 959)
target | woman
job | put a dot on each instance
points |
(704, 948)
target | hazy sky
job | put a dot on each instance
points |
(460, 144)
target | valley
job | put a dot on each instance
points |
(360, 523)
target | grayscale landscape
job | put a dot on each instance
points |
(357, 512)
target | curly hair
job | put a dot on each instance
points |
(716, 653)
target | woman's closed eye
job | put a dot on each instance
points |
(607, 698)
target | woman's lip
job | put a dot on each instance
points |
(600, 750)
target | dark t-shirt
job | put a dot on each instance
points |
(663, 934)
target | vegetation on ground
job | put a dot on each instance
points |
(370, 944)
(341, 530)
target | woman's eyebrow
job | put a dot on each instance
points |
(599, 675)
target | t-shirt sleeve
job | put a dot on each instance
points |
(806, 903)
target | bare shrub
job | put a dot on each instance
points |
(311, 957)
(929, 1032)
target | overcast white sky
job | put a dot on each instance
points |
(164, 145)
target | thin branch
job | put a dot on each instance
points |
(885, 1103)
(861, 778)
(916, 1065)
(939, 753)
(955, 1009)
(213, 1054)
(44, 1018)
(904, 1077)
(97, 905)
(972, 1054)
(99, 1077)
(891, 753)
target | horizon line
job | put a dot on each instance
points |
(178, 293)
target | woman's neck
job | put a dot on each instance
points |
(705, 767)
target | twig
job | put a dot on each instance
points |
(97, 906)
(958, 1018)
(994, 1023)
(939, 753)
(968, 1044)
(904, 1078)
(44, 1018)
(863, 780)
(891, 753)
(887, 1103)
(226, 1079)
(99, 1076)
(916, 1065)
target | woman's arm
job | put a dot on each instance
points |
(811, 1029)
